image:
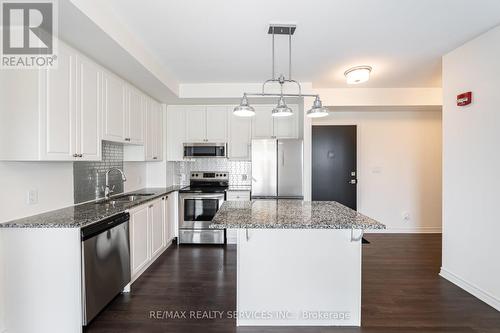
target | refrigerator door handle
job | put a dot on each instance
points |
(283, 157)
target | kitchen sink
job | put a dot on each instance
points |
(124, 197)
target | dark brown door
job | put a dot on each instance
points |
(334, 174)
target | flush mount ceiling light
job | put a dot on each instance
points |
(244, 109)
(281, 109)
(358, 74)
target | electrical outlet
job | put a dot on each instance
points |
(406, 216)
(32, 197)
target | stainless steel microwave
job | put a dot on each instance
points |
(205, 150)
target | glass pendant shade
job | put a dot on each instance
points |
(244, 109)
(282, 110)
(317, 110)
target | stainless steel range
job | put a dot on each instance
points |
(198, 204)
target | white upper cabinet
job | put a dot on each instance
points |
(196, 124)
(262, 122)
(216, 117)
(64, 113)
(71, 105)
(176, 131)
(206, 124)
(240, 136)
(88, 108)
(114, 108)
(154, 134)
(287, 127)
(266, 126)
(135, 116)
(159, 131)
(58, 103)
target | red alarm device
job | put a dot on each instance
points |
(464, 99)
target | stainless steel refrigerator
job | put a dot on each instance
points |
(277, 168)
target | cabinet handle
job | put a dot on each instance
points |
(75, 155)
(127, 139)
(81, 155)
(154, 158)
(151, 206)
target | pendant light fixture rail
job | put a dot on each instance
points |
(281, 110)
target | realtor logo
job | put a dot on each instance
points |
(27, 34)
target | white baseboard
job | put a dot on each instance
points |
(471, 289)
(416, 230)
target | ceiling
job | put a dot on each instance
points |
(217, 41)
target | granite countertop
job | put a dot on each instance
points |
(82, 215)
(290, 214)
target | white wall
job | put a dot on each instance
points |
(136, 176)
(471, 161)
(54, 181)
(399, 166)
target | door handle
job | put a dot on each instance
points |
(283, 158)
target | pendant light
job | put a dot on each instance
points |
(282, 110)
(317, 110)
(244, 109)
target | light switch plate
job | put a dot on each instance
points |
(32, 196)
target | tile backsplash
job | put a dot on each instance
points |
(240, 172)
(89, 176)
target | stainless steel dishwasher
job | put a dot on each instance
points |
(105, 263)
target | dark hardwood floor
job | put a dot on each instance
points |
(402, 293)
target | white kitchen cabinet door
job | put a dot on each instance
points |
(196, 124)
(135, 116)
(287, 127)
(140, 249)
(114, 108)
(88, 125)
(240, 137)
(150, 131)
(156, 218)
(154, 131)
(167, 228)
(262, 122)
(176, 132)
(159, 131)
(216, 117)
(173, 214)
(58, 88)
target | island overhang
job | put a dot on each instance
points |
(290, 214)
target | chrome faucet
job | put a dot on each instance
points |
(108, 190)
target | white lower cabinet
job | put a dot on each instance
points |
(156, 216)
(139, 242)
(239, 195)
(149, 234)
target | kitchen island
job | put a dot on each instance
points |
(298, 262)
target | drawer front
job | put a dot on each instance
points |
(187, 236)
(238, 196)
